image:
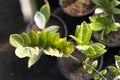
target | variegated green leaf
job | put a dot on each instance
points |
(34, 38)
(45, 10)
(40, 20)
(53, 52)
(26, 39)
(32, 60)
(16, 40)
(52, 29)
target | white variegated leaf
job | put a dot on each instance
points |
(52, 29)
(53, 52)
(82, 47)
(34, 59)
(40, 20)
(98, 10)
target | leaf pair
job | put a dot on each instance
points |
(41, 17)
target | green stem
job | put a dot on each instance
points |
(96, 71)
(76, 59)
(102, 34)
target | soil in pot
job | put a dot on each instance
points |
(74, 71)
(54, 20)
(77, 8)
(110, 39)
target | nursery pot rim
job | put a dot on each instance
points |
(54, 16)
(86, 14)
(99, 67)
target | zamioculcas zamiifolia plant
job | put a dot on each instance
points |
(33, 45)
(84, 44)
(104, 21)
(46, 41)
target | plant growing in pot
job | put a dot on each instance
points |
(50, 21)
(77, 8)
(75, 11)
(87, 54)
(104, 25)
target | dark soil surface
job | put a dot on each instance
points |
(112, 38)
(75, 7)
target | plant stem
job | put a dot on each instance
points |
(76, 59)
(96, 71)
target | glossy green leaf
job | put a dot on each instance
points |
(26, 39)
(45, 10)
(16, 40)
(22, 52)
(40, 20)
(68, 49)
(94, 63)
(85, 62)
(90, 52)
(42, 39)
(90, 71)
(53, 52)
(83, 33)
(98, 10)
(115, 2)
(76, 39)
(62, 44)
(52, 29)
(99, 49)
(96, 77)
(117, 61)
(34, 38)
(84, 47)
(55, 40)
(114, 26)
(103, 72)
(116, 11)
(32, 60)
(112, 68)
(98, 23)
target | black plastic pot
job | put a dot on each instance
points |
(72, 20)
(62, 71)
(57, 21)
